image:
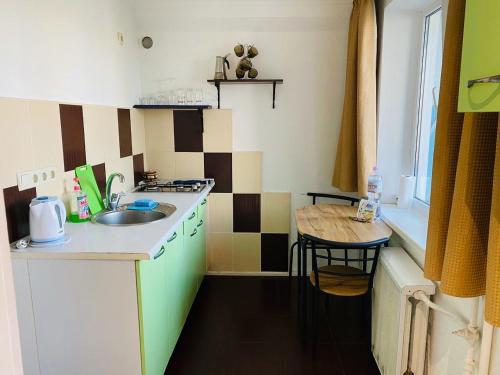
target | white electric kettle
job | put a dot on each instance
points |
(47, 217)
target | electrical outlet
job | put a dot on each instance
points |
(31, 179)
(121, 39)
(47, 174)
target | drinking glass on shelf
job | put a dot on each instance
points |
(151, 100)
(189, 96)
(143, 100)
(171, 97)
(160, 99)
(199, 96)
(181, 96)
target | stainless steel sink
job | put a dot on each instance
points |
(122, 216)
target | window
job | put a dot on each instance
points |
(430, 77)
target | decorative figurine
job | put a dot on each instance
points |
(245, 65)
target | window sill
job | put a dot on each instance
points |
(411, 226)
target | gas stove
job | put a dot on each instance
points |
(174, 186)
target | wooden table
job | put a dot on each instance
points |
(332, 223)
(330, 226)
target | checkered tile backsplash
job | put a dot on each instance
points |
(248, 228)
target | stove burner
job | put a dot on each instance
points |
(178, 186)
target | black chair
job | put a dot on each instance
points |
(343, 280)
(315, 196)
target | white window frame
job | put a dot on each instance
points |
(418, 204)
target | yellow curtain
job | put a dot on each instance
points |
(463, 248)
(356, 148)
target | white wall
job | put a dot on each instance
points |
(69, 51)
(303, 42)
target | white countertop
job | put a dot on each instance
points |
(97, 241)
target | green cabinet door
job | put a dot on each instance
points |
(153, 313)
(174, 308)
(190, 239)
(200, 250)
(480, 57)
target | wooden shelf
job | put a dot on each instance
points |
(172, 106)
(270, 81)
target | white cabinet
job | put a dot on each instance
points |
(105, 310)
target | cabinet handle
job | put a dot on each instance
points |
(174, 236)
(160, 253)
(492, 79)
(194, 232)
(192, 216)
(204, 202)
(200, 223)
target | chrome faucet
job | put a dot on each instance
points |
(112, 200)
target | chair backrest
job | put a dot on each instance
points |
(348, 259)
(314, 196)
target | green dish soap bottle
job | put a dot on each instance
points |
(79, 205)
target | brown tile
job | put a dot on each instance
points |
(17, 211)
(125, 132)
(219, 167)
(100, 177)
(188, 131)
(73, 136)
(246, 213)
(274, 248)
(138, 168)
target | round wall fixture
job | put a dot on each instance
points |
(147, 42)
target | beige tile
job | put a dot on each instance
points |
(220, 212)
(220, 252)
(246, 252)
(218, 130)
(102, 143)
(126, 167)
(138, 131)
(189, 165)
(16, 146)
(247, 172)
(275, 212)
(159, 130)
(46, 132)
(162, 162)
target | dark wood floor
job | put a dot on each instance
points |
(249, 325)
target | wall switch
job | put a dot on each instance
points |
(27, 180)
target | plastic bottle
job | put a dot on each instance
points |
(79, 205)
(375, 189)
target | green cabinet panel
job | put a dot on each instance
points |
(153, 313)
(480, 57)
(166, 287)
(202, 207)
(200, 250)
(175, 316)
(160, 317)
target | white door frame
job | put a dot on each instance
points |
(10, 348)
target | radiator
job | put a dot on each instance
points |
(396, 279)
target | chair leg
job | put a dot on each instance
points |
(315, 318)
(291, 260)
(368, 316)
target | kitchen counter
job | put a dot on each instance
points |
(97, 241)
